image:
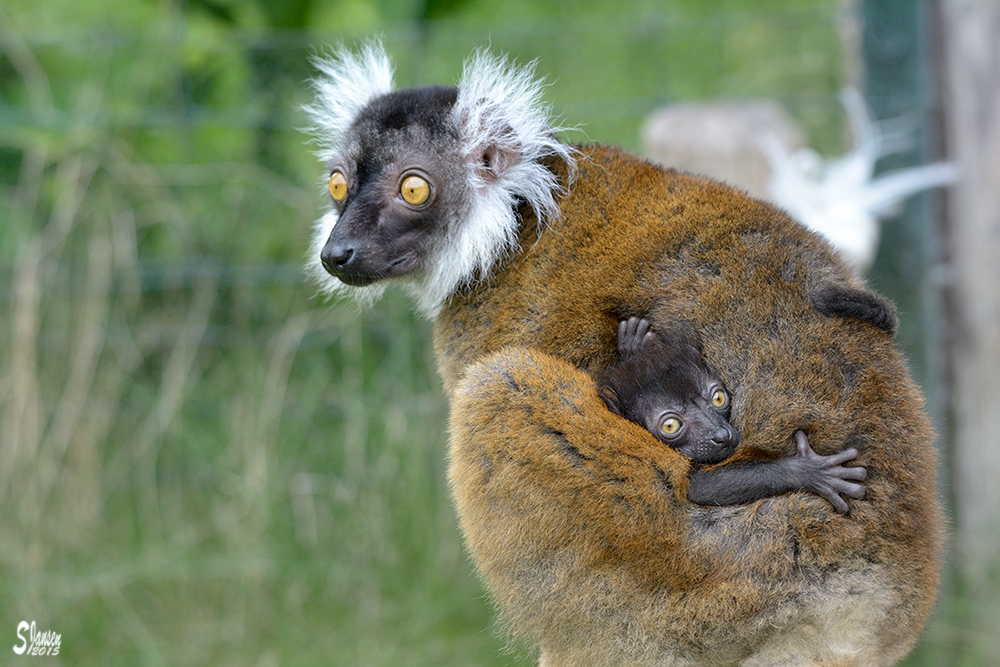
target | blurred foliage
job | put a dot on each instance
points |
(199, 462)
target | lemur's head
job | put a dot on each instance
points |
(425, 183)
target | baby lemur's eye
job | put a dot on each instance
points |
(670, 426)
(415, 190)
(720, 398)
(338, 186)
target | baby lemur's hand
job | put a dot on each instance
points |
(825, 475)
(633, 333)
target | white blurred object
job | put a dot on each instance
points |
(839, 198)
(721, 140)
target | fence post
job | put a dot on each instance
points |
(897, 73)
(970, 65)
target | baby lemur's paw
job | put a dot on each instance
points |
(826, 476)
(633, 333)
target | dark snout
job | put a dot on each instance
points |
(343, 259)
(372, 241)
(337, 255)
(726, 436)
(718, 446)
(349, 258)
(363, 261)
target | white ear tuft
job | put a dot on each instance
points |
(347, 83)
(503, 119)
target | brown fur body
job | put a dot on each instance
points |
(578, 520)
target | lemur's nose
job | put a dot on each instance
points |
(337, 256)
(722, 436)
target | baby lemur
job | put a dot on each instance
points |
(663, 384)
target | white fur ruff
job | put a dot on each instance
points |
(498, 106)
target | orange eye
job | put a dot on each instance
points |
(670, 426)
(415, 191)
(338, 186)
(720, 398)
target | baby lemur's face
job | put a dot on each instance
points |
(695, 424)
(665, 385)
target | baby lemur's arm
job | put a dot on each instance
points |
(739, 483)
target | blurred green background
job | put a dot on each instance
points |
(202, 463)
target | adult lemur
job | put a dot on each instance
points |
(528, 252)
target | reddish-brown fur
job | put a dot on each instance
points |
(578, 519)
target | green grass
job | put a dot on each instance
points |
(200, 463)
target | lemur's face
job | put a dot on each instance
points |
(394, 187)
(427, 185)
(697, 425)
